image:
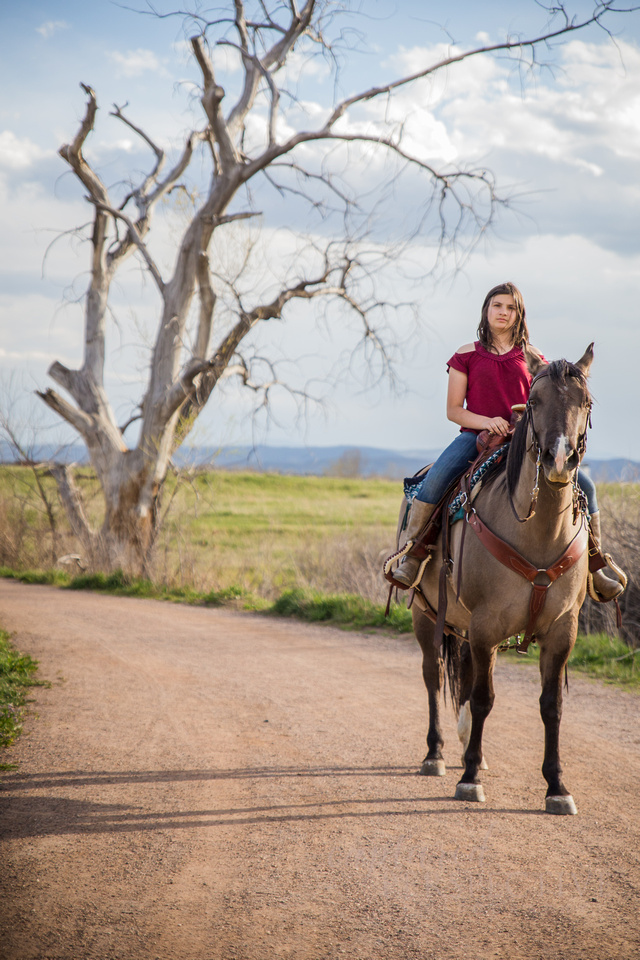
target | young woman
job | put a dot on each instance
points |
(485, 379)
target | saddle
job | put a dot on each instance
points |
(491, 449)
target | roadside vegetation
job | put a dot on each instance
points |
(17, 675)
(305, 547)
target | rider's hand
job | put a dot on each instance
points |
(497, 425)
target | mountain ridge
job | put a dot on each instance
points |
(338, 460)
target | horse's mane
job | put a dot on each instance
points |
(559, 371)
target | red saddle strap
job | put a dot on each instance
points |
(510, 558)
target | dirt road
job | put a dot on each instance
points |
(206, 785)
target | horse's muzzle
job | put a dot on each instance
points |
(560, 460)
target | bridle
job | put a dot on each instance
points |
(529, 425)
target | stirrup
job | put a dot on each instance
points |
(419, 574)
(620, 577)
(397, 558)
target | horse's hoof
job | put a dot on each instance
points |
(432, 768)
(470, 791)
(563, 806)
(483, 763)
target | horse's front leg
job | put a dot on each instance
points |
(554, 653)
(481, 702)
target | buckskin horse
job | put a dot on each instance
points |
(523, 570)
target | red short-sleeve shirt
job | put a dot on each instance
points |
(494, 382)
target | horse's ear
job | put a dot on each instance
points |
(586, 360)
(535, 363)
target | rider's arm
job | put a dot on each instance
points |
(458, 413)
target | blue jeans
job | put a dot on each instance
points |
(453, 461)
(588, 487)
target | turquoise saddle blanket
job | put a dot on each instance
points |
(412, 484)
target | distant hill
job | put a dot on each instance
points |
(319, 461)
(341, 461)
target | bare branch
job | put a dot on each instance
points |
(211, 100)
(256, 66)
(81, 421)
(570, 26)
(137, 239)
(72, 152)
(260, 69)
(74, 507)
(207, 306)
(117, 112)
(169, 181)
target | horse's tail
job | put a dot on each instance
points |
(451, 653)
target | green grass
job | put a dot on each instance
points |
(295, 546)
(56, 578)
(262, 533)
(17, 674)
(348, 610)
(600, 656)
(269, 533)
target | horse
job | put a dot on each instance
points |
(532, 505)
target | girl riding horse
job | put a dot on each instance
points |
(486, 379)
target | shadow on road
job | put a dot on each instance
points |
(27, 814)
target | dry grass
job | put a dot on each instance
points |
(620, 514)
(268, 533)
(264, 534)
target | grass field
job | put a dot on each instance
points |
(269, 533)
(260, 533)
(308, 547)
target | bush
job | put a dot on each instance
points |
(620, 513)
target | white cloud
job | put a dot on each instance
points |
(300, 65)
(49, 27)
(133, 63)
(17, 153)
(477, 106)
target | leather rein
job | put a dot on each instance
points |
(535, 446)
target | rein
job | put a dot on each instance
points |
(529, 424)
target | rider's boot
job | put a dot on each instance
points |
(604, 585)
(419, 516)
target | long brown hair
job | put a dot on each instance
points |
(519, 331)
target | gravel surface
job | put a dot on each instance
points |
(209, 785)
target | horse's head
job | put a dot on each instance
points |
(558, 414)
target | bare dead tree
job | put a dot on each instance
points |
(185, 371)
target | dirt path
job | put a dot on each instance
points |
(205, 785)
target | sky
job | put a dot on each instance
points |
(563, 141)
